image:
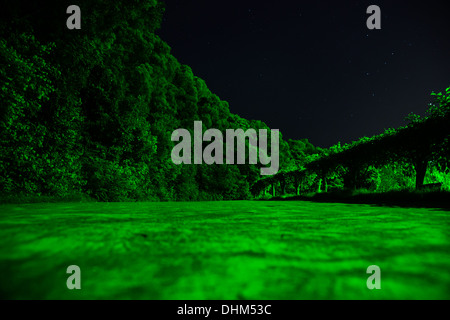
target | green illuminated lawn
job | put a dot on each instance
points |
(223, 250)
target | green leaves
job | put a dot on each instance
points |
(94, 111)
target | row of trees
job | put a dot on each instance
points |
(92, 110)
(378, 163)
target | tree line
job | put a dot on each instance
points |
(380, 162)
(91, 111)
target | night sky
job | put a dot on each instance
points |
(312, 68)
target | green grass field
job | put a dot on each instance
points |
(223, 250)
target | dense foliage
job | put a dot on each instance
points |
(92, 110)
(405, 158)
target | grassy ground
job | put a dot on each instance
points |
(223, 250)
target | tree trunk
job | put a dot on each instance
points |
(421, 169)
(325, 185)
(298, 183)
(319, 185)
